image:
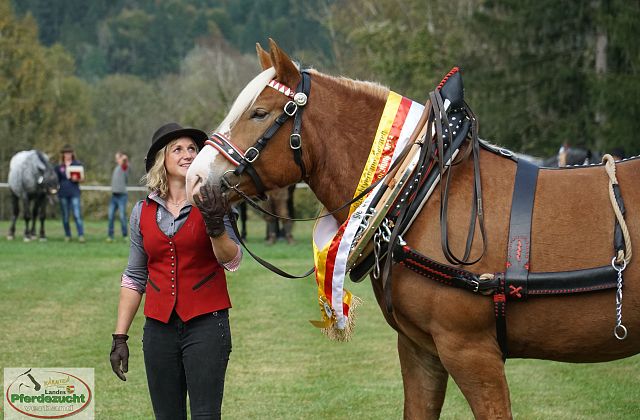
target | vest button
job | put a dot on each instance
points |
(173, 272)
(173, 279)
(172, 257)
(171, 250)
(173, 286)
(173, 294)
(170, 243)
(173, 264)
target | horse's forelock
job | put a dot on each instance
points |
(246, 98)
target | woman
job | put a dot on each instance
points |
(70, 173)
(177, 257)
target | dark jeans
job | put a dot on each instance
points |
(71, 204)
(119, 202)
(187, 357)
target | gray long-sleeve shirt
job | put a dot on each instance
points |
(119, 180)
(136, 274)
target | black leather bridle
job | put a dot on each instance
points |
(243, 161)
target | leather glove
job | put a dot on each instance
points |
(120, 355)
(213, 205)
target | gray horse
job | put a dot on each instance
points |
(32, 180)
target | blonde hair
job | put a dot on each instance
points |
(156, 179)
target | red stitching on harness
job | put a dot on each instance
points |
(515, 291)
(427, 269)
(451, 73)
(412, 253)
(576, 290)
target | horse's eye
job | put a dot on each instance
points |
(259, 114)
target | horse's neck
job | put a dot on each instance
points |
(344, 131)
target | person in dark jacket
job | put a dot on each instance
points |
(70, 173)
(178, 257)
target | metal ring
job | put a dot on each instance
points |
(624, 332)
(254, 158)
(618, 267)
(226, 182)
(286, 108)
(291, 139)
(475, 283)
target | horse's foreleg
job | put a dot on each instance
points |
(42, 211)
(476, 365)
(424, 379)
(34, 217)
(15, 206)
(26, 212)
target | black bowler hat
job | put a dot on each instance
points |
(168, 132)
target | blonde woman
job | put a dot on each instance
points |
(178, 257)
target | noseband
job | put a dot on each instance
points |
(243, 161)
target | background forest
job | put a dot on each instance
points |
(103, 74)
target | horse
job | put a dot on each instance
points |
(444, 331)
(572, 156)
(32, 180)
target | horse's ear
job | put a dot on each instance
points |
(263, 56)
(286, 71)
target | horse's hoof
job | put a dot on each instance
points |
(10, 237)
(27, 239)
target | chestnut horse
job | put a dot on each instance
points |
(443, 330)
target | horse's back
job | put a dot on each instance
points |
(23, 172)
(572, 229)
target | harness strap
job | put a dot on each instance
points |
(243, 161)
(295, 140)
(519, 245)
(518, 252)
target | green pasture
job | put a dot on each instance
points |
(58, 307)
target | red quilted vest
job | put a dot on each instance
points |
(183, 271)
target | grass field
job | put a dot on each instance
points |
(59, 303)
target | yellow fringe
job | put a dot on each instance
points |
(345, 334)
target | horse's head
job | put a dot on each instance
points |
(47, 177)
(250, 140)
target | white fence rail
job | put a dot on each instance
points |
(91, 187)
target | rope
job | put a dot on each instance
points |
(610, 167)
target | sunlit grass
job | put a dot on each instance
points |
(59, 305)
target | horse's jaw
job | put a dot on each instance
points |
(207, 168)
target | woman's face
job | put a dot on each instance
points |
(179, 155)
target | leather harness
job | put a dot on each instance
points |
(516, 282)
(446, 105)
(243, 161)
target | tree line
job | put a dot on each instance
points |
(102, 75)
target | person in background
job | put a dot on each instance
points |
(70, 173)
(178, 257)
(119, 196)
(276, 204)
